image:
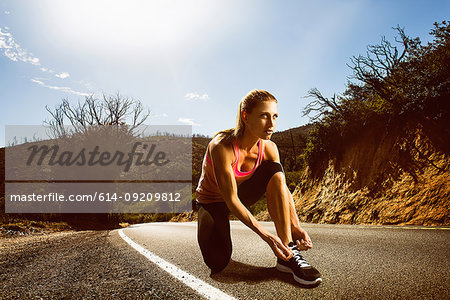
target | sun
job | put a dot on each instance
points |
(133, 27)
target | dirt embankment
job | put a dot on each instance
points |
(372, 183)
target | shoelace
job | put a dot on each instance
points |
(299, 258)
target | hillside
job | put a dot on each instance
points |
(370, 184)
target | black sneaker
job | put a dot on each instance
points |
(302, 271)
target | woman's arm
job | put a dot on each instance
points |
(222, 160)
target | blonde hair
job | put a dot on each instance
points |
(247, 104)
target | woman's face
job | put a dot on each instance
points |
(262, 120)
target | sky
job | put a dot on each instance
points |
(190, 62)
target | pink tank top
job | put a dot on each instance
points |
(208, 191)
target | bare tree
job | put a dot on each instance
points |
(375, 71)
(113, 110)
(321, 105)
(380, 60)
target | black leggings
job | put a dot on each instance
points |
(213, 225)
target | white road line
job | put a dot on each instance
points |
(193, 282)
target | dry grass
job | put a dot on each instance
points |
(19, 227)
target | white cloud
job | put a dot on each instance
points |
(37, 81)
(7, 12)
(51, 71)
(195, 96)
(63, 75)
(163, 115)
(86, 85)
(59, 88)
(13, 51)
(188, 121)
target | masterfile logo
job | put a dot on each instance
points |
(101, 170)
(95, 157)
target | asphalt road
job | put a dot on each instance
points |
(356, 262)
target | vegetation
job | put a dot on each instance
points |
(114, 110)
(111, 120)
(291, 144)
(400, 88)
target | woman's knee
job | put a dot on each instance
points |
(272, 167)
(277, 181)
(216, 249)
(218, 260)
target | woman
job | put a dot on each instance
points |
(240, 165)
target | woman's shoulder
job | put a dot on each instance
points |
(270, 151)
(270, 145)
(219, 141)
(217, 144)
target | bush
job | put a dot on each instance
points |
(292, 179)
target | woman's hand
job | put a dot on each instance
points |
(278, 248)
(302, 239)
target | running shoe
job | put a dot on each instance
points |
(303, 272)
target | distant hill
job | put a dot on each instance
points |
(291, 144)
